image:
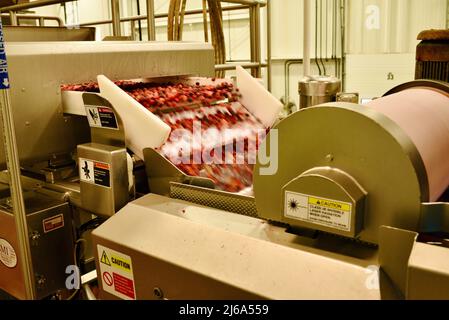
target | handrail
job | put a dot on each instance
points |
(41, 19)
(159, 15)
(245, 65)
(43, 3)
(31, 5)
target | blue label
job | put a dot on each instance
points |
(4, 77)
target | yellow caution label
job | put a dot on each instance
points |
(105, 259)
(330, 204)
(121, 263)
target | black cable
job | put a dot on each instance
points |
(321, 37)
(337, 19)
(334, 35)
(316, 37)
(327, 31)
(138, 21)
(90, 225)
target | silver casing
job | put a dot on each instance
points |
(187, 251)
(52, 246)
(316, 90)
(105, 200)
(37, 70)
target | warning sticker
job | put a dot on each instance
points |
(4, 77)
(117, 273)
(95, 172)
(53, 223)
(101, 117)
(7, 254)
(320, 211)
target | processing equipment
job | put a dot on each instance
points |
(49, 135)
(337, 201)
(346, 188)
(432, 55)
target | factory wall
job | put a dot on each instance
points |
(380, 36)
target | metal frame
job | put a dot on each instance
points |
(7, 119)
(38, 18)
(255, 63)
(254, 6)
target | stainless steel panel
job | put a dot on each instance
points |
(101, 200)
(38, 69)
(211, 254)
(51, 251)
(33, 34)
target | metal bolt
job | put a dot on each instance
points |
(27, 123)
(41, 280)
(330, 158)
(158, 293)
(35, 235)
(23, 89)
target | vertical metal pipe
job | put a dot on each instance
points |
(151, 24)
(258, 39)
(115, 13)
(139, 22)
(307, 36)
(133, 29)
(205, 25)
(269, 52)
(343, 43)
(447, 15)
(13, 165)
(13, 17)
(252, 33)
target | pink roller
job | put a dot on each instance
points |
(423, 114)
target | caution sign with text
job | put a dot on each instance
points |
(116, 273)
(325, 212)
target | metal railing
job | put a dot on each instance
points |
(39, 19)
(12, 10)
(253, 6)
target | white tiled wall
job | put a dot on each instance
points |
(370, 75)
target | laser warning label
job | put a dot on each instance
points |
(320, 211)
(95, 172)
(117, 273)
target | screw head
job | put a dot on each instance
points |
(158, 293)
(330, 158)
(40, 280)
(35, 235)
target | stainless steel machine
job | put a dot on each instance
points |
(348, 201)
(51, 141)
(356, 189)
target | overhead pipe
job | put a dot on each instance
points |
(307, 36)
